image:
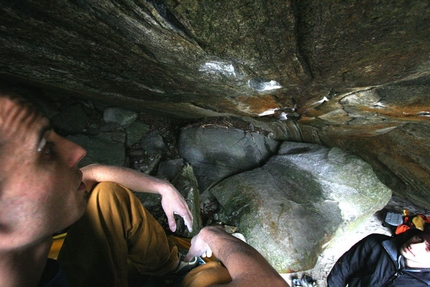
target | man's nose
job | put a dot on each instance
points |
(74, 153)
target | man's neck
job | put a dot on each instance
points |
(25, 266)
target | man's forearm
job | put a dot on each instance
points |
(245, 265)
(130, 178)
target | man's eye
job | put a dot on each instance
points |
(49, 149)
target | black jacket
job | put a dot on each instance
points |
(375, 261)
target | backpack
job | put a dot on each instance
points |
(400, 222)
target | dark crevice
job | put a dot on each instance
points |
(301, 54)
(169, 17)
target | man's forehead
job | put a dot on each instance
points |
(19, 118)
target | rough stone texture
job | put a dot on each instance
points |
(300, 200)
(135, 132)
(186, 184)
(351, 74)
(100, 150)
(208, 57)
(153, 143)
(170, 169)
(72, 120)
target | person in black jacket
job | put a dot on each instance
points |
(380, 260)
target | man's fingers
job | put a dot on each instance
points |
(188, 257)
(172, 223)
(209, 253)
(188, 220)
(189, 225)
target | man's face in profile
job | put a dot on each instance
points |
(416, 252)
(41, 189)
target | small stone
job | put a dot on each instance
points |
(120, 116)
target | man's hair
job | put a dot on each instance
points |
(9, 93)
(401, 238)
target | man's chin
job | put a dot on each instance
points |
(80, 210)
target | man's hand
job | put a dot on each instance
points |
(245, 265)
(173, 203)
(199, 247)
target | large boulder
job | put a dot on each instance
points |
(216, 152)
(299, 200)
